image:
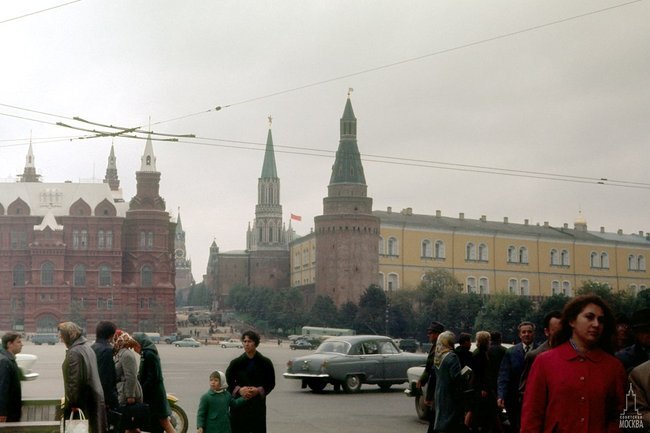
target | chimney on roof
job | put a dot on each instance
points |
(505, 220)
(620, 231)
(389, 209)
(483, 218)
(602, 229)
(526, 221)
(546, 224)
(438, 213)
(641, 233)
(566, 225)
(461, 216)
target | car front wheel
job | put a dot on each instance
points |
(352, 383)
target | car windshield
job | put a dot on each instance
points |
(334, 347)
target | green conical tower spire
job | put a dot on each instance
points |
(268, 169)
(347, 167)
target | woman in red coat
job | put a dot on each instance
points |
(577, 386)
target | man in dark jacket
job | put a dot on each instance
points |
(251, 376)
(10, 391)
(104, 353)
(639, 352)
(512, 365)
(83, 389)
(428, 376)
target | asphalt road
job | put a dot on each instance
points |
(290, 409)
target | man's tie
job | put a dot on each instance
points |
(526, 349)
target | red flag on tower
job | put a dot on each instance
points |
(296, 217)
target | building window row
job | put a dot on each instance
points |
(476, 253)
(517, 255)
(635, 263)
(391, 247)
(483, 287)
(79, 239)
(637, 289)
(519, 287)
(599, 260)
(433, 250)
(146, 240)
(560, 258)
(391, 283)
(105, 240)
(564, 290)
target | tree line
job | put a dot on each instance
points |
(407, 313)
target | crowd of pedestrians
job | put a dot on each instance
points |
(117, 383)
(582, 379)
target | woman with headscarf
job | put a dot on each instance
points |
(448, 393)
(153, 388)
(129, 391)
(83, 389)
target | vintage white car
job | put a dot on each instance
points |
(25, 362)
(231, 343)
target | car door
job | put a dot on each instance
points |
(370, 360)
(393, 366)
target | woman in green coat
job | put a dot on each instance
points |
(153, 388)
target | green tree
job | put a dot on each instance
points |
(503, 312)
(371, 317)
(323, 312)
(347, 314)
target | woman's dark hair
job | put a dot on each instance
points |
(253, 336)
(571, 312)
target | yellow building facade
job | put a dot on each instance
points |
(524, 259)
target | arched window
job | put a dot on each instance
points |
(143, 240)
(109, 239)
(523, 255)
(146, 276)
(270, 234)
(381, 281)
(47, 274)
(471, 285)
(439, 252)
(565, 258)
(483, 252)
(79, 276)
(633, 289)
(594, 261)
(392, 246)
(393, 282)
(512, 286)
(75, 239)
(470, 251)
(19, 275)
(100, 239)
(83, 242)
(641, 263)
(149, 240)
(105, 275)
(566, 288)
(524, 288)
(555, 287)
(381, 245)
(604, 260)
(631, 263)
(426, 248)
(483, 286)
(512, 254)
(555, 258)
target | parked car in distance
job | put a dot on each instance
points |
(233, 342)
(25, 362)
(301, 345)
(187, 342)
(169, 339)
(350, 361)
(49, 338)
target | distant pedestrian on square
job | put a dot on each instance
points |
(10, 392)
(251, 376)
(213, 415)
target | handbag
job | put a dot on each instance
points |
(72, 425)
(134, 416)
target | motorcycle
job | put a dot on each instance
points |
(178, 416)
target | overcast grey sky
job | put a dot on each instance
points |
(571, 98)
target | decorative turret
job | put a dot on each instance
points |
(111, 172)
(147, 183)
(29, 174)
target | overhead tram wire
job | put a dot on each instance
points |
(39, 11)
(404, 61)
